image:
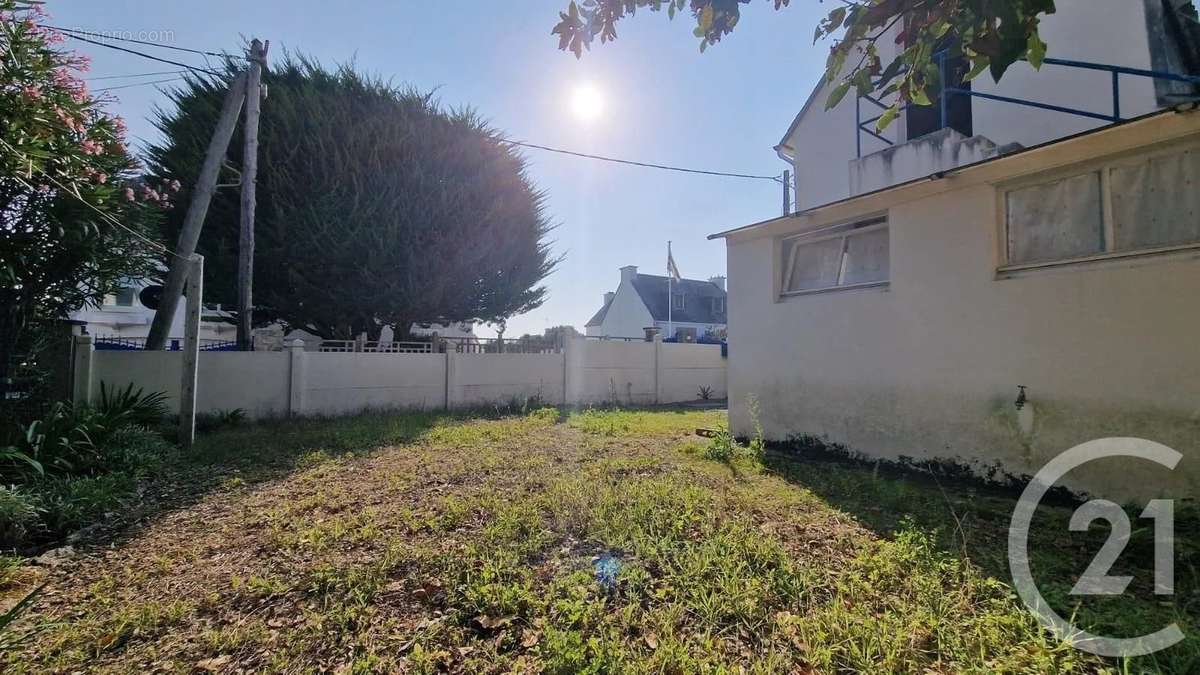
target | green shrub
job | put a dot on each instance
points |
(135, 450)
(120, 407)
(219, 419)
(69, 503)
(19, 516)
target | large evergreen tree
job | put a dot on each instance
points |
(376, 207)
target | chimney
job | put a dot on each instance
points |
(719, 281)
(628, 272)
(608, 297)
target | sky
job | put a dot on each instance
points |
(662, 101)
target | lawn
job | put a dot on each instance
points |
(593, 541)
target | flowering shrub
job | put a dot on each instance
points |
(71, 204)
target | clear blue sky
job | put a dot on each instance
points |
(665, 103)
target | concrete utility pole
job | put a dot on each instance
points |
(202, 194)
(245, 297)
(191, 351)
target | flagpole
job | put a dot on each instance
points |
(670, 295)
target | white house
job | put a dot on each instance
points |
(902, 308)
(123, 318)
(694, 308)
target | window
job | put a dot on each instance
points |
(677, 301)
(1060, 219)
(1154, 205)
(122, 298)
(718, 305)
(850, 256)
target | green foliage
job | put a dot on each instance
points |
(7, 640)
(20, 515)
(705, 393)
(127, 406)
(88, 475)
(376, 206)
(66, 179)
(992, 35)
(219, 419)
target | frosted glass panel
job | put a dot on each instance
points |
(1055, 221)
(1157, 202)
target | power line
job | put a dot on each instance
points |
(132, 75)
(145, 55)
(136, 84)
(642, 164)
(105, 216)
(73, 32)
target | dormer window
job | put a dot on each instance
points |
(677, 301)
(718, 305)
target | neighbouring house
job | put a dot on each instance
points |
(999, 252)
(122, 320)
(686, 310)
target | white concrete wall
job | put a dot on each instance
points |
(256, 382)
(481, 379)
(344, 383)
(600, 371)
(1100, 31)
(299, 382)
(928, 366)
(627, 316)
(686, 368)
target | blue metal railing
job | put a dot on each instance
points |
(131, 344)
(941, 57)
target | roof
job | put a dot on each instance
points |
(783, 142)
(598, 317)
(697, 304)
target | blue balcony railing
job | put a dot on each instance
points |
(861, 125)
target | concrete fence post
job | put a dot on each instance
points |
(85, 356)
(570, 351)
(451, 377)
(658, 368)
(297, 377)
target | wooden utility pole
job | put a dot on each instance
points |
(191, 351)
(787, 193)
(202, 193)
(245, 296)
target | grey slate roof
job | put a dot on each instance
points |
(698, 305)
(598, 317)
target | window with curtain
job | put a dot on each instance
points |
(1155, 204)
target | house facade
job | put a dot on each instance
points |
(123, 318)
(685, 310)
(905, 317)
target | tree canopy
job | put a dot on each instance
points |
(74, 218)
(992, 35)
(376, 207)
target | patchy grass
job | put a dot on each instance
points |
(602, 541)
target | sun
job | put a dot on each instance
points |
(587, 103)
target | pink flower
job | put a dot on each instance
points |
(32, 92)
(91, 147)
(129, 194)
(44, 189)
(101, 177)
(175, 186)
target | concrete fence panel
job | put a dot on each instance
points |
(342, 383)
(686, 368)
(318, 383)
(482, 379)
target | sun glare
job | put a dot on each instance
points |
(587, 103)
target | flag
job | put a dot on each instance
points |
(672, 270)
